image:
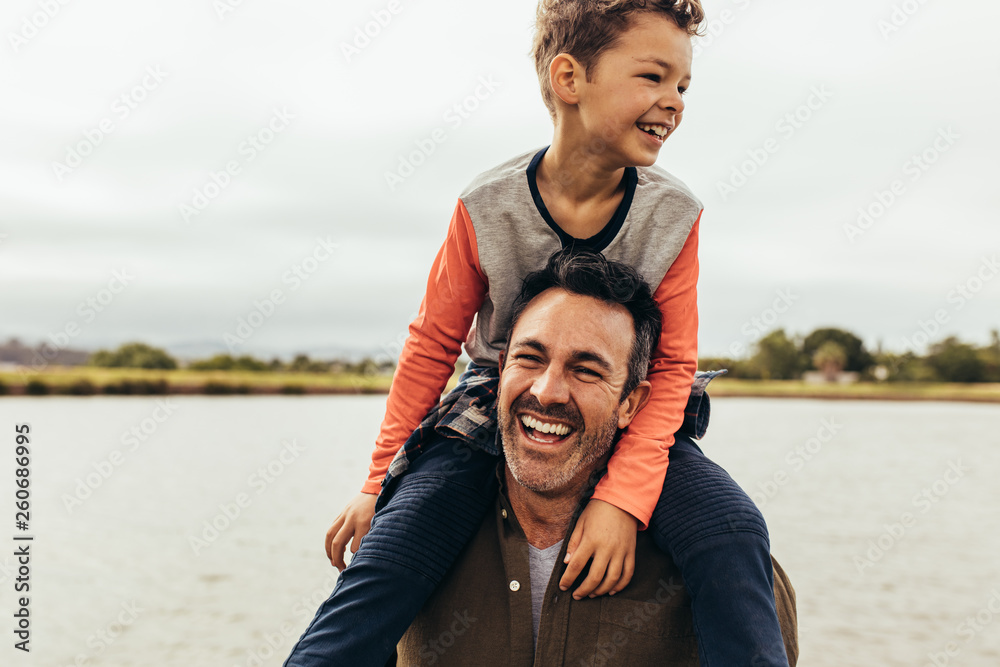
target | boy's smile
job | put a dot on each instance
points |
(630, 99)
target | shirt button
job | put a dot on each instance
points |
(515, 585)
(503, 513)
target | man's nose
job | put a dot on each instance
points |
(551, 388)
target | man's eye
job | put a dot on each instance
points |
(530, 358)
(588, 371)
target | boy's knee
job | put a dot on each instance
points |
(744, 547)
(740, 527)
(702, 502)
(747, 519)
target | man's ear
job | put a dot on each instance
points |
(634, 402)
(565, 74)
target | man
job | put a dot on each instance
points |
(572, 378)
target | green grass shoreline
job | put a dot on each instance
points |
(883, 391)
(85, 381)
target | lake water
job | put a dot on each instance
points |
(885, 515)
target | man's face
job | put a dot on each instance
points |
(560, 388)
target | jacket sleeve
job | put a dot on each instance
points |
(639, 463)
(455, 292)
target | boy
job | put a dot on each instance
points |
(612, 75)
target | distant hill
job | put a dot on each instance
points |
(14, 352)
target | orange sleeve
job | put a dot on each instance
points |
(455, 292)
(639, 463)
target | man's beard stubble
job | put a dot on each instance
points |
(590, 446)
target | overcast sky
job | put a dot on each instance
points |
(120, 118)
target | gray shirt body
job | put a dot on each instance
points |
(541, 562)
(515, 236)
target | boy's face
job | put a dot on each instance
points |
(632, 101)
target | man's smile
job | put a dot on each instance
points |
(546, 432)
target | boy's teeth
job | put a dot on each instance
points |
(543, 427)
(658, 130)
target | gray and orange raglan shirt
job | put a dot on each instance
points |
(500, 231)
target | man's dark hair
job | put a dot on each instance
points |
(589, 273)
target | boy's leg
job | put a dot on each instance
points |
(718, 539)
(434, 511)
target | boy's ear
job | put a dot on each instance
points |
(565, 74)
(634, 402)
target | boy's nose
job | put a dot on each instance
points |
(673, 101)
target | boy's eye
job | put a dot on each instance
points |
(655, 78)
(682, 90)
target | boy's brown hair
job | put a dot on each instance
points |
(587, 28)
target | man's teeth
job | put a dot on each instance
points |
(542, 427)
(658, 130)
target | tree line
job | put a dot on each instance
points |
(141, 355)
(831, 351)
(776, 356)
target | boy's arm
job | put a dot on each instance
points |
(637, 468)
(455, 292)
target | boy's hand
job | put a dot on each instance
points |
(355, 521)
(605, 534)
